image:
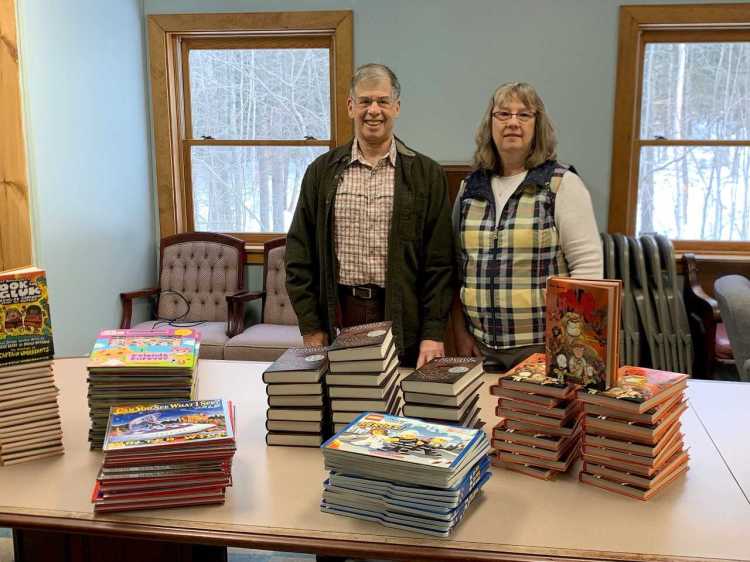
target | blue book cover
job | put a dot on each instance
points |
(407, 440)
(178, 422)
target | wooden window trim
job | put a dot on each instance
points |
(15, 221)
(637, 25)
(166, 32)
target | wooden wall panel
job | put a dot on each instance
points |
(15, 224)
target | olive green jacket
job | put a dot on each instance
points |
(419, 279)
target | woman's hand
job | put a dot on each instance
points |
(466, 345)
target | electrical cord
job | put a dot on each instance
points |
(175, 322)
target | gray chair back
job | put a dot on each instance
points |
(277, 308)
(733, 295)
(204, 270)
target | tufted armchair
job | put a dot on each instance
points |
(200, 275)
(278, 328)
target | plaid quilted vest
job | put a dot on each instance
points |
(504, 268)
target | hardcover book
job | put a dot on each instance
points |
(166, 348)
(638, 390)
(25, 324)
(446, 376)
(366, 341)
(582, 331)
(530, 376)
(191, 422)
(298, 365)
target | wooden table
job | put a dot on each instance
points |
(274, 501)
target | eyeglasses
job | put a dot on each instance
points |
(523, 116)
(384, 102)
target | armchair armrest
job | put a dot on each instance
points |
(703, 315)
(236, 310)
(127, 304)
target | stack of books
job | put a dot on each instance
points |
(29, 415)
(445, 390)
(632, 443)
(298, 410)
(539, 433)
(167, 454)
(364, 373)
(128, 367)
(404, 473)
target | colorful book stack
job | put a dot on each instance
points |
(298, 411)
(364, 373)
(128, 367)
(168, 454)
(404, 473)
(29, 415)
(540, 432)
(445, 390)
(632, 443)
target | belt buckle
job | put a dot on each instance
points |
(363, 292)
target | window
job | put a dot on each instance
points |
(242, 104)
(681, 156)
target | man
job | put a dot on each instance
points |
(371, 237)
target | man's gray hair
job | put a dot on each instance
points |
(375, 73)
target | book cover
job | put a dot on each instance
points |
(168, 423)
(373, 334)
(25, 323)
(409, 440)
(297, 364)
(161, 348)
(530, 375)
(443, 375)
(638, 389)
(582, 331)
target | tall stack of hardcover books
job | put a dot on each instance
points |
(298, 409)
(632, 443)
(128, 367)
(166, 454)
(404, 473)
(29, 415)
(539, 433)
(445, 390)
(364, 373)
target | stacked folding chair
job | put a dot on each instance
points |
(631, 338)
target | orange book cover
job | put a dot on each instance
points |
(583, 330)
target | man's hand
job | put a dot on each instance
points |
(319, 338)
(466, 345)
(428, 350)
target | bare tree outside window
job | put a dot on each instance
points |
(282, 96)
(689, 188)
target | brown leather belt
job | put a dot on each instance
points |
(361, 304)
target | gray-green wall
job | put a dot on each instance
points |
(86, 107)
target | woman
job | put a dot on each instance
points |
(520, 217)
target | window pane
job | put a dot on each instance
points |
(252, 94)
(248, 188)
(695, 192)
(696, 91)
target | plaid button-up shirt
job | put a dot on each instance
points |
(362, 218)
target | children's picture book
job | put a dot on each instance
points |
(25, 324)
(443, 375)
(298, 365)
(530, 376)
(175, 348)
(638, 389)
(583, 330)
(180, 422)
(408, 440)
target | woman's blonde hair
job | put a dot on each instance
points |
(544, 144)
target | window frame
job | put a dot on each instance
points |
(170, 35)
(637, 26)
(15, 220)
